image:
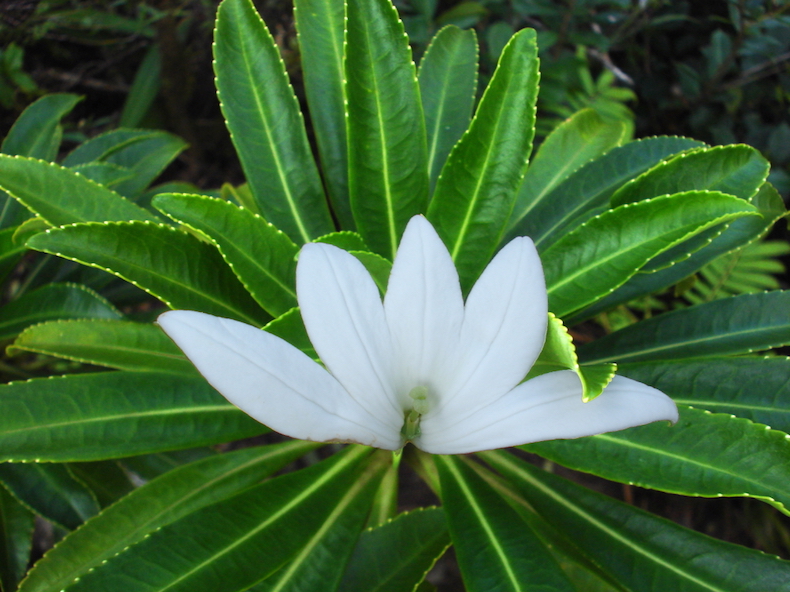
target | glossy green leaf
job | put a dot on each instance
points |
(37, 132)
(586, 192)
(145, 152)
(266, 125)
(104, 173)
(169, 264)
(151, 466)
(345, 239)
(738, 233)
(16, 540)
(559, 353)
(106, 415)
(290, 327)
(496, 550)
(118, 344)
(704, 454)
(396, 556)
(106, 479)
(643, 552)
(477, 187)
(448, 84)
(756, 388)
(378, 267)
(320, 25)
(738, 170)
(11, 250)
(50, 490)
(157, 503)
(53, 301)
(735, 325)
(239, 541)
(605, 251)
(387, 150)
(571, 145)
(262, 257)
(61, 196)
(321, 561)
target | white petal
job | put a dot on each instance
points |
(273, 382)
(344, 318)
(503, 331)
(546, 408)
(424, 309)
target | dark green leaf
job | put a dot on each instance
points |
(266, 125)
(105, 479)
(145, 88)
(735, 325)
(162, 501)
(387, 156)
(50, 490)
(16, 538)
(169, 264)
(37, 132)
(110, 415)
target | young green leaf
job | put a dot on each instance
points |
(387, 150)
(448, 83)
(169, 264)
(397, 555)
(61, 196)
(752, 387)
(496, 550)
(738, 170)
(266, 125)
(640, 550)
(477, 188)
(118, 344)
(728, 326)
(320, 25)
(262, 257)
(105, 415)
(605, 251)
(166, 499)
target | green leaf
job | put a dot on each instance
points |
(738, 170)
(169, 264)
(704, 454)
(378, 267)
(586, 192)
(145, 152)
(290, 327)
(477, 188)
(262, 257)
(643, 552)
(571, 145)
(16, 540)
(751, 387)
(559, 353)
(144, 90)
(98, 416)
(118, 344)
(62, 196)
(166, 499)
(53, 301)
(448, 84)
(605, 251)
(50, 490)
(11, 250)
(320, 563)
(104, 173)
(387, 150)
(397, 555)
(151, 466)
(320, 25)
(735, 325)
(37, 132)
(496, 550)
(237, 542)
(739, 232)
(106, 479)
(266, 125)
(345, 239)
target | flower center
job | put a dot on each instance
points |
(411, 423)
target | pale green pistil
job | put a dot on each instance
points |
(411, 424)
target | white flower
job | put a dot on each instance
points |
(422, 366)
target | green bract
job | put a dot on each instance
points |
(613, 221)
